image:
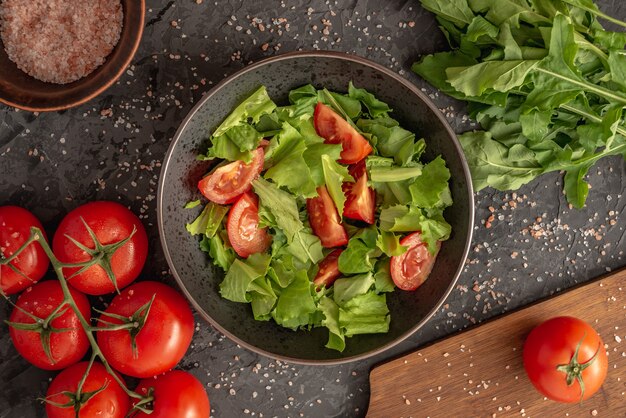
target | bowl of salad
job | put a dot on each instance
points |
(315, 207)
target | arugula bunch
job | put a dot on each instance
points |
(544, 79)
(279, 283)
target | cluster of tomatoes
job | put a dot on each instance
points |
(145, 331)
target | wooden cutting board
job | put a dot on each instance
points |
(479, 372)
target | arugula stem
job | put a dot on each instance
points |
(595, 12)
(600, 91)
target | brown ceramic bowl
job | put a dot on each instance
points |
(20, 90)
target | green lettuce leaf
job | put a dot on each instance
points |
(209, 220)
(295, 304)
(336, 339)
(365, 314)
(240, 276)
(255, 106)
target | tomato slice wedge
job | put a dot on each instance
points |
(226, 183)
(328, 270)
(336, 130)
(411, 269)
(325, 221)
(360, 199)
(242, 226)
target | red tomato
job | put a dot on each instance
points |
(559, 354)
(226, 183)
(329, 269)
(360, 199)
(66, 347)
(244, 233)
(176, 394)
(15, 224)
(162, 340)
(325, 221)
(112, 402)
(336, 130)
(410, 269)
(111, 222)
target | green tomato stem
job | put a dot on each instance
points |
(58, 266)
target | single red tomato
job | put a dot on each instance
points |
(336, 130)
(111, 223)
(227, 182)
(112, 402)
(161, 338)
(410, 269)
(15, 224)
(328, 269)
(360, 199)
(242, 226)
(325, 221)
(66, 347)
(565, 359)
(176, 394)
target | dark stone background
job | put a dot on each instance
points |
(112, 147)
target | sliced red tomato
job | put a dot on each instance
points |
(360, 199)
(325, 221)
(100, 396)
(32, 263)
(244, 233)
(336, 130)
(411, 269)
(329, 269)
(226, 183)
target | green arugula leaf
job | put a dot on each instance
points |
(493, 164)
(456, 11)
(500, 76)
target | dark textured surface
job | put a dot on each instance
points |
(178, 185)
(112, 148)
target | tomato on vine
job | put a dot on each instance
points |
(99, 396)
(565, 359)
(45, 330)
(110, 234)
(161, 337)
(32, 263)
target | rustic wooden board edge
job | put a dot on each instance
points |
(614, 277)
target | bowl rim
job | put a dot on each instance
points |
(314, 54)
(101, 88)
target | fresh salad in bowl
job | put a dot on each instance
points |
(318, 208)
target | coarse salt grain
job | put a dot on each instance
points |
(60, 41)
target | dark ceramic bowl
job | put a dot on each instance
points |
(199, 279)
(20, 90)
